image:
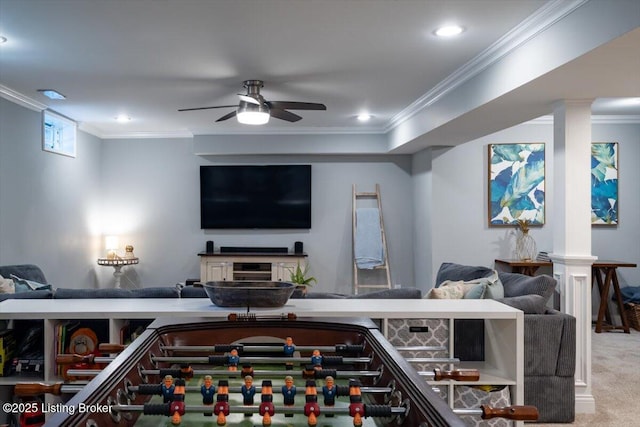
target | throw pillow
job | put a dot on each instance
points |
(518, 284)
(493, 286)
(7, 286)
(476, 291)
(23, 285)
(450, 290)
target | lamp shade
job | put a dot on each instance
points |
(111, 242)
(252, 114)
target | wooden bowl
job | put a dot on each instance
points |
(249, 294)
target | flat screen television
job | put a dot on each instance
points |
(255, 196)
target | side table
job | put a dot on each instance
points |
(604, 276)
(117, 264)
(528, 268)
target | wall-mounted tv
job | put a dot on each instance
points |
(255, 196)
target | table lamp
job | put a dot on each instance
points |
(111, 245)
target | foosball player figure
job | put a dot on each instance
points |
(311, 407)
(186, 371)
(167, 388)
(221, 408)
(288, 349)
(233, 360)
(208, 390)
(247, 369)
(266, 409)
(177, 407)
(288, 393)
(248, 391)
(356, 407)
(316, 360)
(329, 391)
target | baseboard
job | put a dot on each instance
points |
(585, 404)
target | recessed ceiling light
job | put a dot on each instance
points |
(123, 118)
(3, 39)
(448, 31)
(52, 94)
(363, 117)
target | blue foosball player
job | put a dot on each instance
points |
(208, 390)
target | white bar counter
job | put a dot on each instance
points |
(150, 308)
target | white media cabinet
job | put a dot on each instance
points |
(275, 267)
(504, 342)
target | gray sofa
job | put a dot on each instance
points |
(549, 339)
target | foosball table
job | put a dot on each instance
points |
(258, 371)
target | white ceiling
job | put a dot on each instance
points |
(147, 58)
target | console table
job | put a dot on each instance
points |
(604, 275)
(523, 267)
(275, 267)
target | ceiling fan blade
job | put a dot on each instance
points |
(290, 105)
(227, 116)
(208, 108)
(284, 115)
(249, 99)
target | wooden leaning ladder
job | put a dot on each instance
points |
(385, 266)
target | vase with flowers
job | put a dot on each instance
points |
(526, 249)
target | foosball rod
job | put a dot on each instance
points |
(57, 389)
(68, 359)
(223, 348)
(514, 412)
(437, 374)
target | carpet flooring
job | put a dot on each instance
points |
(615, 373)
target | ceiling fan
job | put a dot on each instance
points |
(253, 109)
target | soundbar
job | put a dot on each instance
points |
(253, 250)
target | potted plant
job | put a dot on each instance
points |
(300, 277)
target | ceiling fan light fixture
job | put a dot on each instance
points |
(449, 30)
(252, 114)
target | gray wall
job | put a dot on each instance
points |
(54, 210)
(457, 211)
(158, 212)
(48, 203)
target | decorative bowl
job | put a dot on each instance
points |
(249, 294)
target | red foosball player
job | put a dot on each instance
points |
(208, 390)
(266, 409)
(288, 349)
(288, 393)
(177, 404)
(186, 371)
(233, 360)
(329, 391)
(221, 408)
(311, 407)
(356, 407)
(316, 360)
(167, 388)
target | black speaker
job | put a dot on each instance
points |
(297, 247)
(209, 246)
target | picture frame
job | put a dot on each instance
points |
(58, 134)
(604, 183)
(516, 184)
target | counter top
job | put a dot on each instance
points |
(149, 308)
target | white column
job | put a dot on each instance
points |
(571, 255)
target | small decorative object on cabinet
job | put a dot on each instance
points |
(526, 249)
(299, 276)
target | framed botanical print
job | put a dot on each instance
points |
(516, 184)
(604, 183)
(58, 134)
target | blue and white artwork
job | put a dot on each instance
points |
(604, 183)
(516, 183)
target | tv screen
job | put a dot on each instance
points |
(251, 196)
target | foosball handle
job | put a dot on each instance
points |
(515, 412)
(457, 375)
(68, 359)
(36, 389)
(111, 348)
